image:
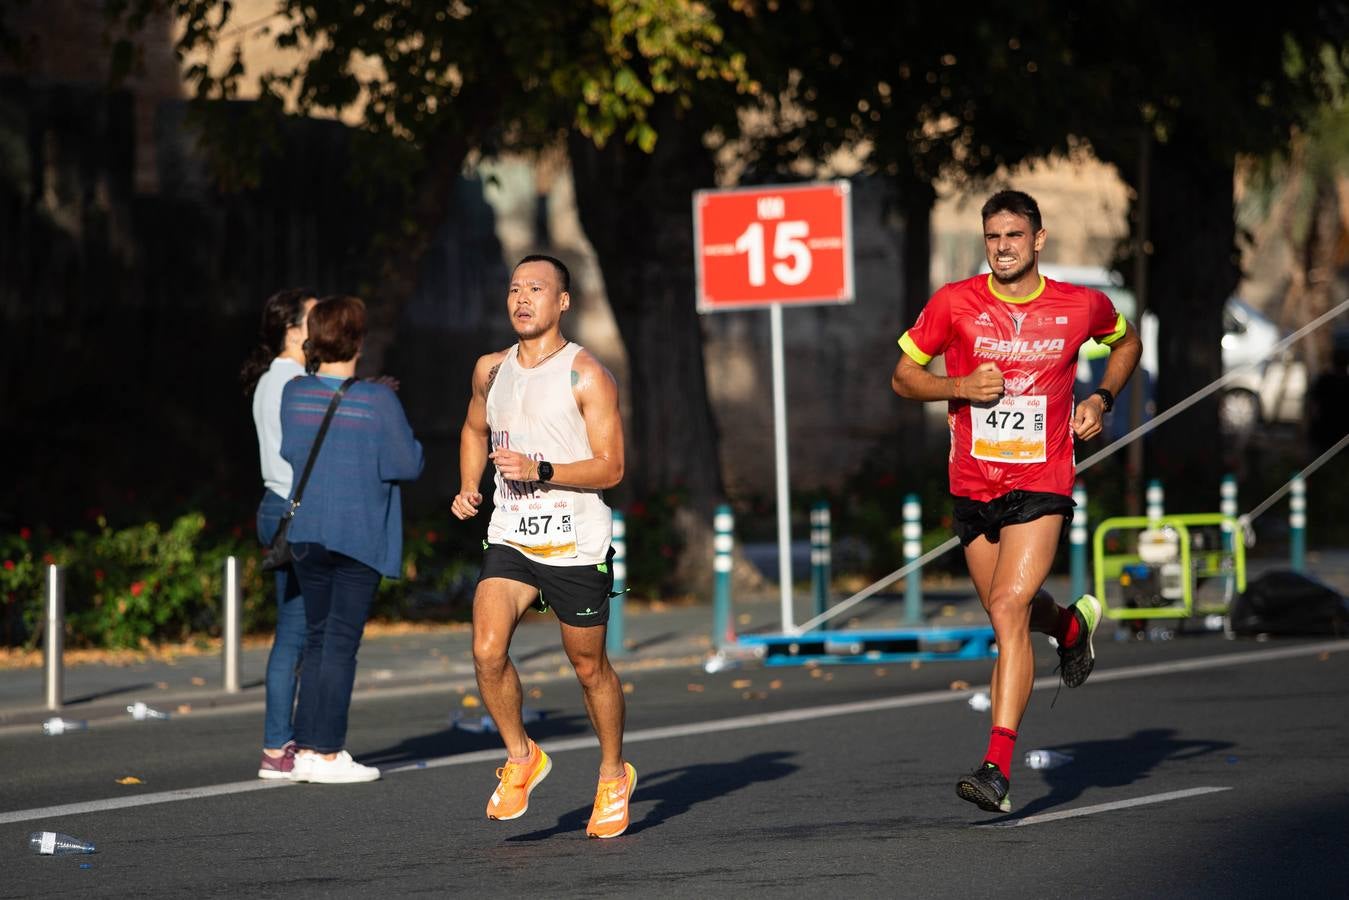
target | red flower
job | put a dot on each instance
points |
(98, 574)
(25, 533)
(430, 537)
(637, 510)
(9, 565)
(137, 587)
(48, 558)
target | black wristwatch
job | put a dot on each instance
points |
(1106, 397)
(546, 469)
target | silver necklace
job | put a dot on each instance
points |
(550, 355)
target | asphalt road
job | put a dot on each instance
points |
(1202, 767)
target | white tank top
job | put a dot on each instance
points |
(534, 412)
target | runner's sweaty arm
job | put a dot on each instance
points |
(473, 438)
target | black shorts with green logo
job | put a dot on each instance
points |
(578, 594)
(973, 518)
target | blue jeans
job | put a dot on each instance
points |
(338, 594)
(283, 664)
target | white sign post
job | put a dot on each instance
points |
(808, 228)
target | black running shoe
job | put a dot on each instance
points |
(987, 788)
(1077, 661)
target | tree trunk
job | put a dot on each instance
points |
(398, 252)
(1193, 270)
(636, 210)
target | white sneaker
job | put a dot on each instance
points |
(341, 769)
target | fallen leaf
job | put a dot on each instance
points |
(948, 610)
(816, 673)
(741, 683)
(744, 619)
(184, 708)
(754, 695)
(775, 683)
(535, 693)
(162, 685)
(1325, 655)
(828, 676)
(130, 779)
(629, 687)
(960, 685)
(198, 680)
(471, 701)
(696, 688)
(915, 664)
(880, 671)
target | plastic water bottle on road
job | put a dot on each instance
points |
(1046, 759)
(54, 843)
(56, 725)
(140, 712)
(980, 702)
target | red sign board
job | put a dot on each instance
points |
(789, 244)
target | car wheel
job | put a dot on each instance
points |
(1239, 412)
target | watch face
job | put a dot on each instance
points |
(545, 471)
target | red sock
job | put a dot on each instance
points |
(1001, 743)
(1068, 629)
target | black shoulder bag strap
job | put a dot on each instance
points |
(318, 442)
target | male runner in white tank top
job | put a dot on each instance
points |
(545, 412)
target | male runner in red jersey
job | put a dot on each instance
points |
(1011, 339)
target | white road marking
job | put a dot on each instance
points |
(1105, 807)
(760, 720)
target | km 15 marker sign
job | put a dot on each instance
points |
(773, 244)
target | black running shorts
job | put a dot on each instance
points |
(578, 594)
(973, 518)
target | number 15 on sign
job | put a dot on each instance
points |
(778, 244)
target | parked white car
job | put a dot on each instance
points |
(1271, 390)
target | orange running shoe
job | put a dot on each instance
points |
(511, 798)
(610, 816)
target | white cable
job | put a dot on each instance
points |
(1096, 457)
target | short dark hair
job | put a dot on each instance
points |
(563, 276)
(1017, 203)
(336, 330)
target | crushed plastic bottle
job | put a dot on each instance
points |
(718, 662)
(140, 712)
(1047, 759)
(57, 725)
(54, 843)
(486, 725)
(980, 702)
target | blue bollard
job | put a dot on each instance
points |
(1297, 525)
(723, 526)
(820, 556)
(1227, 506)
(913, 548)
(1077, 544)
(614, 639)
(1156, 497)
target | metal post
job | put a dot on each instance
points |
(780, 460)
(1156, 500)
(723, 524)
(614, 639)
(1077, 543)
(1297, 524)
(230, 626)
(821, 555)
(53, 648)
(913, 548)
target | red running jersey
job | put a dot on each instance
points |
(1023, 441)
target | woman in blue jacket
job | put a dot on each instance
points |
(347, 532)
